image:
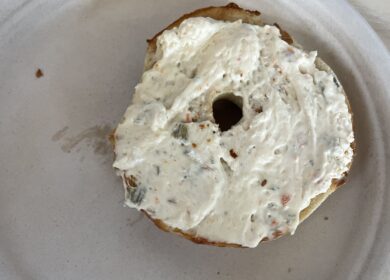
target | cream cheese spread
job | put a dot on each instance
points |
(249, 182)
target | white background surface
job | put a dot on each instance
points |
(61, 214)
(377, 13)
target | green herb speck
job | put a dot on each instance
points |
(171, 201)
(336, 82)
(181, 132)
(136, 195)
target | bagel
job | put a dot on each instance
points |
(235, 135)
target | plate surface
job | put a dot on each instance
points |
(60, 201)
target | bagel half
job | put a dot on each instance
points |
(233, 12)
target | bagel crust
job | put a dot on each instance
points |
(251, 182)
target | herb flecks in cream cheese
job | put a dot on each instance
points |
(247, 183)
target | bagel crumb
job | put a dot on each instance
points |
(39, 73)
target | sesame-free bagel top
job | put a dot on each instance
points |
(243, 183)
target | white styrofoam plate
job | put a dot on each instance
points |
(61, 214)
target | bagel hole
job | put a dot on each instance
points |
(227, 111)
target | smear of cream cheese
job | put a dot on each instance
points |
(252, 181)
